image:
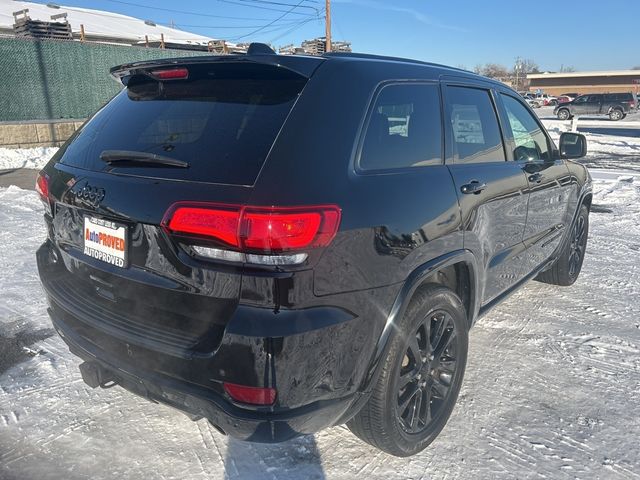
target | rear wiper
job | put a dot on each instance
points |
(127, 156)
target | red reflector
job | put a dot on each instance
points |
(251, 395)
(42, 186)
(257, 229)
(217, 223)
(171, 74)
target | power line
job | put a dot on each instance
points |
(293, 7)
(287, 24)
(201, 14)
(269, 2)
(291, 30)
(279, 28)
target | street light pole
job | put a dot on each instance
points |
(327, 21)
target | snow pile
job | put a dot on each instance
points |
(36, 158)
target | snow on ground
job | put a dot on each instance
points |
(552, 387)
(609, 144)
(603, 150)
(34, 158)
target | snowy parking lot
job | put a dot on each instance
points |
(552, 388)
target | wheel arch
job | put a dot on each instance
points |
(458, 267)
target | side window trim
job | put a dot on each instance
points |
(367, 118)
(450, 149)
(507, 128)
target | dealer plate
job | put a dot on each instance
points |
(106, 241)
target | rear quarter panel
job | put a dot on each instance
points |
(391, 222)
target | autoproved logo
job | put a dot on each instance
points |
(89, 194)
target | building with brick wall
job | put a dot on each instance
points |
(613, 81)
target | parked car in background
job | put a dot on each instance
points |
(546, 99)
(615, 105)
(533, 103)
(572, 95)
(207, 250)
(530, 98)
(567, 97)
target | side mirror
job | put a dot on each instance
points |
(572, 145)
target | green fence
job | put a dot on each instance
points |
(49, 79)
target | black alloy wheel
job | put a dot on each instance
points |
(567, 267)
(577, 246)
(420, 376)
(426, 372)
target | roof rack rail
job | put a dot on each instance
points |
(390, 59)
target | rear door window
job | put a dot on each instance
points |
(222, 120)
(474, 126)
(404, 129)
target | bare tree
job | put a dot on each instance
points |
(529, 66)
(521, 68)
(637, 67)
(478, 69)
(494, 70)
(567, 69)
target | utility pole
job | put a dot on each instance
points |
(327, 21)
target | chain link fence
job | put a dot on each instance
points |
(52, 79)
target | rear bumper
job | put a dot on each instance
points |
(316, 357)
(255, 426)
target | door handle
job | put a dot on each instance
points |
(535, 177)
(473, 186)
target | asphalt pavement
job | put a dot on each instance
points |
(21, 177)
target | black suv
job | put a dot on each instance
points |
(279, 244)
(615, 105)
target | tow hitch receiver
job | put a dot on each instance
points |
(96, 376)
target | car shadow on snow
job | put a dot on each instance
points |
(16, 349)
(294, 459)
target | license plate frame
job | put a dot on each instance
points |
(106, 241)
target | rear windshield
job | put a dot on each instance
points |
(222, 121)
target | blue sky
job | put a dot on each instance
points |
(586, 35)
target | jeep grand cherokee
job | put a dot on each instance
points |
(279, 244)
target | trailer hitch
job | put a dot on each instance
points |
(96, 376)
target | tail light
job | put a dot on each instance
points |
(256, 230)
(42, 187)
(251, 395)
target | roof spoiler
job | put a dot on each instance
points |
(257, 53)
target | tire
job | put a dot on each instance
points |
(616, 114)
(388, 421)
(567, 266)
(564, 114)
(553, 103)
